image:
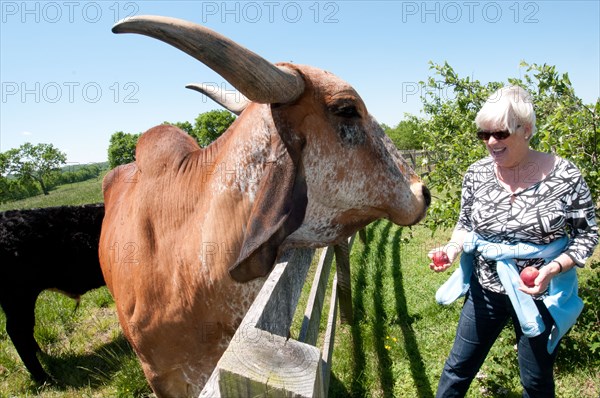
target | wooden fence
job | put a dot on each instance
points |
(261, 359)
(415, 159)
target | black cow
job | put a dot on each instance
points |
(49, 248)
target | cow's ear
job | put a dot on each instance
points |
(278, 211)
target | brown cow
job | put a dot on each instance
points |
(190, 233)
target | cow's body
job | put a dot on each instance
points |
(189, 233)
(50, 248)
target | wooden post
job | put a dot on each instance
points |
(309, 331)
(329, 338)
(260, 359)
(362, 234)
(274, 307)
(261, 364)
(342, 263)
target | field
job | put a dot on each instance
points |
(395, 348)
(89, 191)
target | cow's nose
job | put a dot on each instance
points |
(427, 196)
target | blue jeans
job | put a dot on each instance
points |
(483, 316)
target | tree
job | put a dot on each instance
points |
(210, 125)
(407, 134)
(32, 163)
(566, 126)
(121, 149)
(185, 126)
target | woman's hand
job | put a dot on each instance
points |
(541, 282)
(441, 259)
(452, 249)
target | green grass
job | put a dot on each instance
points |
(395, 348)
(84, 349)
(84, 192)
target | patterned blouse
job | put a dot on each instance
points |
(558, 205)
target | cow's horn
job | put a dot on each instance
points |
(255, 77)
(236, 105)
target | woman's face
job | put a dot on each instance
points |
(508, 152)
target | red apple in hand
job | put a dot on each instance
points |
(528, 276)
(440, 258)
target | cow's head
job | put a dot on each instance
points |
(346, 171)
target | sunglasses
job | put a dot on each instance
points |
(498, 135)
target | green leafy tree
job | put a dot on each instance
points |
(121, 149)
(3, 164)
(407, 134)
(4, 182)
(210, 125)
(566, 126)
(33, 163)
(185, 126)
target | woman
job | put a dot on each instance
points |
(516, 196)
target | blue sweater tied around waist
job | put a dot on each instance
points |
(562, 301)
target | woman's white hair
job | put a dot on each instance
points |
(508, 108)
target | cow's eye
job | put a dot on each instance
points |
(346, 111)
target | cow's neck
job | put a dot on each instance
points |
(225, 178)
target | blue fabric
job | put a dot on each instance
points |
(562, 302)
(564, 305)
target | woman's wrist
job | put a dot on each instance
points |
(556, 267)
(452, 249)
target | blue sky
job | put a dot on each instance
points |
(67, 80)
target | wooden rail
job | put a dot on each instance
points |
(261, 359)
(414, 157)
